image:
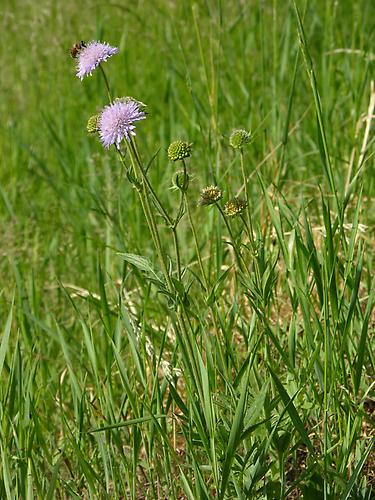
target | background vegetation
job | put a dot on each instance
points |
(280, 402)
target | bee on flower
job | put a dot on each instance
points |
(90, 55)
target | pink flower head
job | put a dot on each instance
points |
(116, 121)
(91, 55)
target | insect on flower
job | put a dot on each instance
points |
(91, 55)
(74, 51)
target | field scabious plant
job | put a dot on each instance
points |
(203, 347)
(236, 445)
(193, 305)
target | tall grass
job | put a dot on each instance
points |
(241, 366)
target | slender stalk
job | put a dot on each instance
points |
(236, 252)
(197, 249)
(144, 199)
(250, 224)
(121, 156)
(160, 207)
(106, 83)
(148, 184)
(144, 188)
(177, 252)
(325, 414)
(152, 224)
(185, 338)
(214, 308)
(146, 208)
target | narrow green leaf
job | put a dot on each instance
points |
(186, 486)
(362, 345)
(357, 471)
(138, 261)
(235, 434)
(5, 338)
(127, 423)
(291, 409)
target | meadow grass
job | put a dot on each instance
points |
(242, 365)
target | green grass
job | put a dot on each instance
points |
(248, 370)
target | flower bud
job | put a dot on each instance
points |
(181, 180)
(210, 195)
(178, 150)
(239, 138)
(92, 124)
(234, 207)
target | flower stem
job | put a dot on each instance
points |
(185, 338)
(236, 252)
(206, 283)
(159, 205)
(106, 83)
(250, 224)
(177, 252)
(148, 184)
(150, 220)
(145, 189)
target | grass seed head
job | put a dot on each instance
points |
(178, 150)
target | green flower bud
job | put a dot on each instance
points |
(180, 180)
(178, 150)
(234, 207)
(210, 195)
(92, 124)
(239, 138)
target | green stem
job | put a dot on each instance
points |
(106, 83)
(206, 283)
(150, 219)
(159, 205)
(250, 224)
(236, 252)
(148, 184)
(177, 252)
(143, 189)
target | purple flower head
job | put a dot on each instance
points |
(91, 55)
(116, 121)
